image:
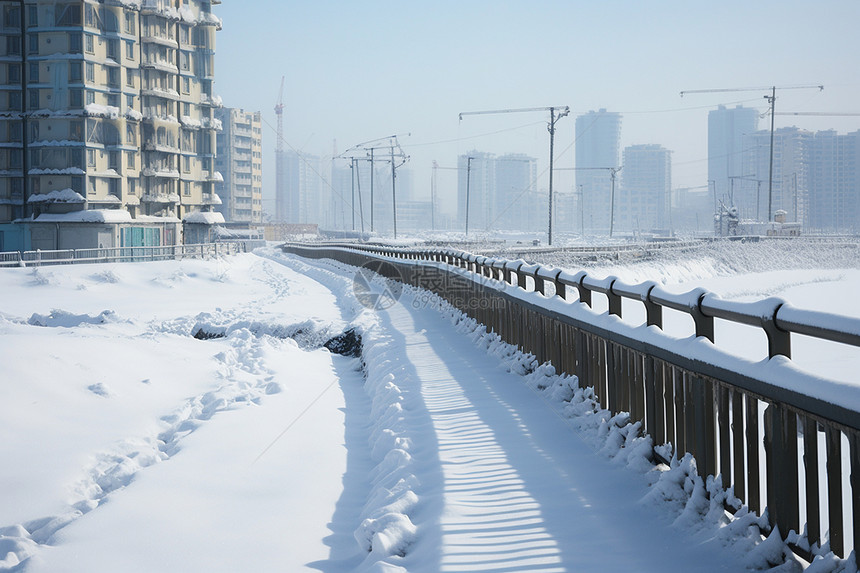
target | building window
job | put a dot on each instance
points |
(186, 188)
(75, 72)
(129, 49)
(129, 101)
(13, 74)
(76, 130)
(32, 16)
(131, 134)
(34, 72)
(75, 43)
(129, 23)
(91, 72)
(131, 159)
(68, 14)
(33, 46)
(129, 77)
(91, 188)
(184, 35)
(113, 77)
(13, 45)
(113, 100)
(15, 100)
(113, 49)
(186, 86)
(184, 61)
(132, 186)
(91, 97)
(186, 164)
(78, 184)
(113, 160)
(12, 17)
(90, 16)
(91, 157)
(89, 43)
(34, 99)
(34, 131)
(76, 98)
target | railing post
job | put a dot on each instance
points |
(778, 340)
(584, 291)
(614, 300)
(704, 324)
(653, 311)
(560, 287)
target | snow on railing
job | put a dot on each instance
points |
(765, 430)
(122, 254)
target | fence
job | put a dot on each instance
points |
(121, 254)
(778, 448)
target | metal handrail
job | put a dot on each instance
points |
(119, 254)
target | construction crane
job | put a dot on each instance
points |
(772, 101)
(819, 113)
(555, 114)
(280, 208)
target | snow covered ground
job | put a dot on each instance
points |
(130, 445)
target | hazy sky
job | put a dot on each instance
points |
(359, 70)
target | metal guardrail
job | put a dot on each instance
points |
(750, 431)
(121, 254)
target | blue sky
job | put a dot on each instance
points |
(360, 70)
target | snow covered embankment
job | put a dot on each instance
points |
(386, 529)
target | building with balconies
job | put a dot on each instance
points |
(106, 121)
(239, 159)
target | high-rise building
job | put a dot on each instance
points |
(834, 182)
(301, 187)
(644, 198)
(726, 148)
(514, 179)
(752, 193)
(598, 149)
(476, 181)
(107, 132)
(501, 191)
(240, 161)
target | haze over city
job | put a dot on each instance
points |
(355, 72)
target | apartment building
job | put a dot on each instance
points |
(598, 151)
(107, 123)
(644, 197)
(239, 159)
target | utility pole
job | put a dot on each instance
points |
(352, 183)
(393, 192)
(360, 206)
(371, 189)
(561, 111)
(468, 181)
(612, 172)
(433, 196)
(772, 102)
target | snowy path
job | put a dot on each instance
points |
(521, 491)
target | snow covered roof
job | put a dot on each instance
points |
(204, 218)
(87, 216)
(61, 196)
